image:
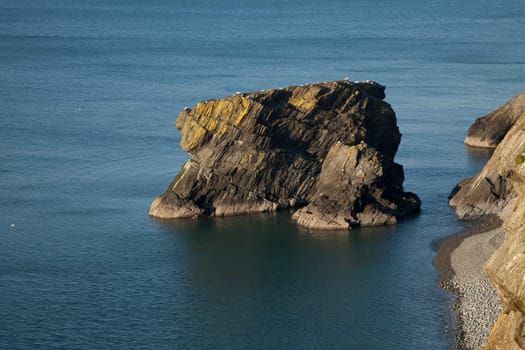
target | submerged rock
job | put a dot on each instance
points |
(328, 147)
(488, 131)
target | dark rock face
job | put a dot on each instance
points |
(268, 150)
(488, 131)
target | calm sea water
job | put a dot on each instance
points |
(89, 91)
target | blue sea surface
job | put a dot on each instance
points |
(89, 92)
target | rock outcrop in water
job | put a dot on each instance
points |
(327, 148)
(491, 190)
(488, 131)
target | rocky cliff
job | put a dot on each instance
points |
(327, 148)
(494, 190)
(506, 268)
(488, 131)
(489, 191)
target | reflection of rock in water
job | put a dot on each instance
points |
(479, 152)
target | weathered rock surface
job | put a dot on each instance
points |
(328, 147)
(506, 268)
(488, 131)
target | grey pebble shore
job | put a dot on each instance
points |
(478, 304)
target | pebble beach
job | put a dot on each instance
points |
(461, 259)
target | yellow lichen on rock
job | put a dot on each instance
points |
(211, 124)
(195, 134)
(240, 116)
(245, 160)
(215, 116)
(305, 101)
(222, 129)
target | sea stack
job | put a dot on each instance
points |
(326, 149)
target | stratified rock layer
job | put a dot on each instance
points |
(488, 131)
(506, 268)
(264, 151)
